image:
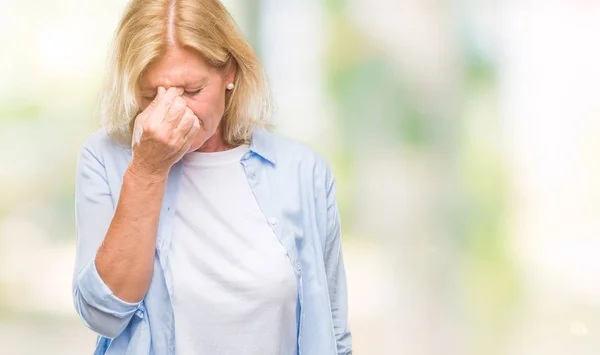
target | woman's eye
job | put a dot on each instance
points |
(189, 93)
(192, 93)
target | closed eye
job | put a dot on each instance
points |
(192, 93)
(189, 93)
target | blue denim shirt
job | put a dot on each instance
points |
(295, 190)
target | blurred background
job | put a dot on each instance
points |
(464, 136)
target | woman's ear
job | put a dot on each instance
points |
(230, 70)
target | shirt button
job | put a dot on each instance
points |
(272, 221)
(253, 176)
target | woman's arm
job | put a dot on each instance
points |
(106, 294)
(125, 259)
(115, 252)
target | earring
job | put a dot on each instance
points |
(230, 86)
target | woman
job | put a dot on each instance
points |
(198, 231)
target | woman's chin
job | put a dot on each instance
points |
(198, 143)
(194, 147)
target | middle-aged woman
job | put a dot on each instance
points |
(198, 231)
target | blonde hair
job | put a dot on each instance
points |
(146, 32)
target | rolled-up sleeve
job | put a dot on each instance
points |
(98, 307)
(334, 268)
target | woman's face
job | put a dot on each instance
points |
(204, 86)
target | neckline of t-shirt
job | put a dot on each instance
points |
(216, 158)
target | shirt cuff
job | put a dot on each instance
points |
(97, 294)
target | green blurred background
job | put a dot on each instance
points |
(464, 136)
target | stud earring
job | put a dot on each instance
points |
(230, 86)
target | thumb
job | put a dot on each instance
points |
(160, 92)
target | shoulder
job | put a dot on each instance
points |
(294, 156)
(102, 147)
(289, 152)
(102, 157)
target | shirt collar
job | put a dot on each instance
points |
(261, 145)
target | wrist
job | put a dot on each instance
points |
(143, 175)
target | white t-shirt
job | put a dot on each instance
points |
(234, 289)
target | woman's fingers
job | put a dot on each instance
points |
(164, 104)
(191, 134)
(186, 123)
(166, 131)
(160, 92)
(176, 111)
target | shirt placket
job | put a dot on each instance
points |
(264, 197)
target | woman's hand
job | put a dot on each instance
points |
(162, 134)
